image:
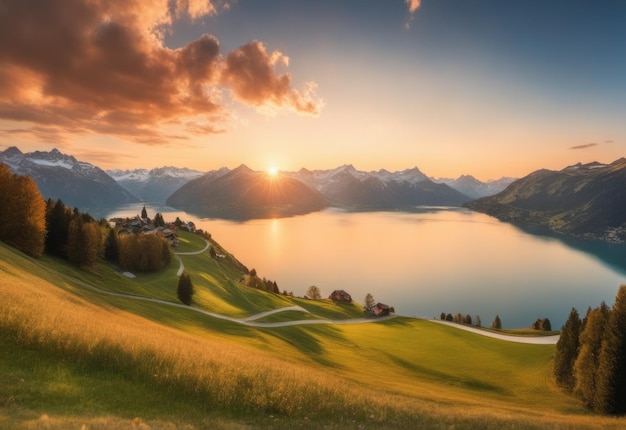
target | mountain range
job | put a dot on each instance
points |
(154, 185)
(244, 194)
(585, 200)
(60, 176)
(472, 187)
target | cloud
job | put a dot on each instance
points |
(249, 72)
(102, 66)
(584, 146)
(413, 6)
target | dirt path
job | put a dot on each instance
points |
(181, 266)
(535, 340)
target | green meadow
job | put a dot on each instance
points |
(72, 356)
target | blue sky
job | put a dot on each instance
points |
(485, 87)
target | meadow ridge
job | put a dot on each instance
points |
(59, 338)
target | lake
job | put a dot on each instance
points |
(424, 262)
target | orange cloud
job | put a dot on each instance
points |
(413, 6)
(249, 72)
(101, 66)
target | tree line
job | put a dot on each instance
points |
(590, 356)
(22, 213)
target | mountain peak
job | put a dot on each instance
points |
(12, 151)
(242, 169)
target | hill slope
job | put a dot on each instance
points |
(587, 200)
(59, 340)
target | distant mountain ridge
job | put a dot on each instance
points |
(346, 186)
(243, 193)
(472, 187)
(585, 200)
(60, 176)
(154, 185)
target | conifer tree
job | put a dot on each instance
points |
(112, 247)
(585, 366)
(497, 323)
(567, 351)
(144, 213)
(58, 219)
(611, 380)
(185, 289)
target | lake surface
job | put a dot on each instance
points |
(424, 262)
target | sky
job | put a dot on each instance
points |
(490, 88)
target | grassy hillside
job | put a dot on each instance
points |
(71, 356)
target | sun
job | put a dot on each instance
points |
(272, 171)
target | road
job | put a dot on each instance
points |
(535, 340)
(252, 320)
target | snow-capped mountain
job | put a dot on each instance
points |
(60, 176)
(154, 185)
(347, 186)
(470, 186)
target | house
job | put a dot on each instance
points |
(380, 310)
(340, 296)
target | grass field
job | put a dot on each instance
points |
(71, 357)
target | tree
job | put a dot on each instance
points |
(478, 322)
(547, 325)
(112, 247)
(442, 317)
(58, 217)
(22, 213)
(158, 220)
(253, 273)
(467, 319)
(314, 293)
(611, 380)
(185, 289)
(369, 302)
(30, 217)
(144, 213)
(84, 240)
(567, 351)
(449, 317)
(496, 323)
(586, 364)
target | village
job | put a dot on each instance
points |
(142, 224)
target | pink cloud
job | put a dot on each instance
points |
(102, 66)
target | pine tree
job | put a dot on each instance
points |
(567, 351)
(144, 213)
(497, 323)
(611, 380)
(185, 289)
(58, 219)
(585, 366)
(112, 247)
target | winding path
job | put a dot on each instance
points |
(535, 340)
(181, 266)
(252, 320)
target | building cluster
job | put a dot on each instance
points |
(139, 225)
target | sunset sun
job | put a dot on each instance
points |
(272, 171)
